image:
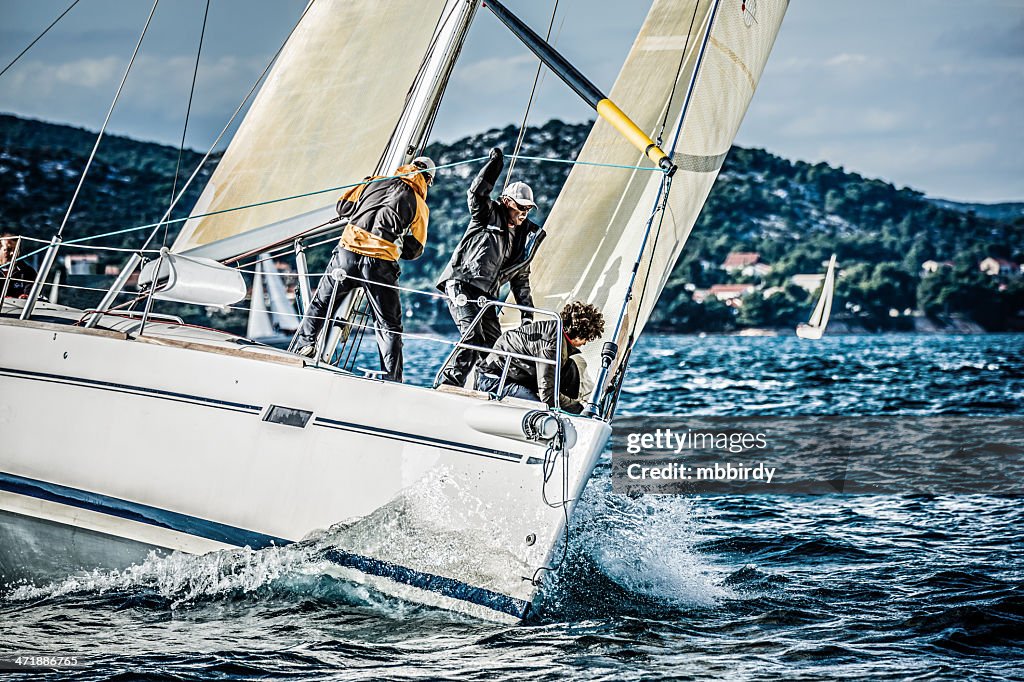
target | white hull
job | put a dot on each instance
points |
(164, 442)
(806, 331)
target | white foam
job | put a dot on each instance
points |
(647, 545)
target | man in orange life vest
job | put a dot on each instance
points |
(387, 221)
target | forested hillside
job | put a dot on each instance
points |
(790, 213)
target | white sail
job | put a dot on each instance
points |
(597, 224)
(260, 325)
(815, 327)
(285, 316)
(323, 117)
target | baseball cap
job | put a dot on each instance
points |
(427, 165)
(520, 193)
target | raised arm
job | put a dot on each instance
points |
(479, 194)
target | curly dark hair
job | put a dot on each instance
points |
(582, 321)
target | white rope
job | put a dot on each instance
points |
(103, 128)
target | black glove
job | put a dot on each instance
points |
(490, 172)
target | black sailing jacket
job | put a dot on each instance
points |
(490, 254)
(537, 339)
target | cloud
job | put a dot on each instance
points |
(844, 122)
(846, 59)
(154, 99)
(498, 74)
(986, 40)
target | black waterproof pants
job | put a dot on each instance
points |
(485, 333)
(489, 384)
(384, 304)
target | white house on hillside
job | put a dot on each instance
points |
(1000, 267)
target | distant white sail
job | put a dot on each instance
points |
(260, 325)
(323, 117)
(596, 226)
(285, 315)
(815, 327)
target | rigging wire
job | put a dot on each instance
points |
(103, 128)
(555, 448)
(679, 72)
(188, 112)
(529, 103)
(45, 31)
(227, 126)
(668, 179)
(244, 207)
(137, 257)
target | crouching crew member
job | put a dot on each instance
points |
(533, 380)
(497, 248)
(387, 221)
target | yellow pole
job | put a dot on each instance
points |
(607, 110)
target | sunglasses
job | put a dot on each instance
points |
(519, 207)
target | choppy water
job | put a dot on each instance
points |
(709, 587)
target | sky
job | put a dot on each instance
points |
(921, 93)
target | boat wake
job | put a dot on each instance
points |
(633, 557)
(625, 557)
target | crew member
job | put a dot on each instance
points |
(535, 380)
(387, 221)
(497, 248)
(21, 273)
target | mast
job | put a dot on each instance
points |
(414, 127)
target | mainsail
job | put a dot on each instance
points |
(596, 226)
(323, 117)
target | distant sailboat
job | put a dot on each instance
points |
(275, 323)
(815, 327)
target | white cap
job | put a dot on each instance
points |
(427, 165)
(520, 193)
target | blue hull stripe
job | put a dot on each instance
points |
(230, 535)
(409, 438)
(128, 388)
(433, 583)
(133, 511)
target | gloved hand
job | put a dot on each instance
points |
(496, 153)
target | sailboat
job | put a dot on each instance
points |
(273, 319)
(130, 432)
(815, 327)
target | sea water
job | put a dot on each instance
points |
(721, 585)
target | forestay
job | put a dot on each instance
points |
(596, 226)
(323, 117)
